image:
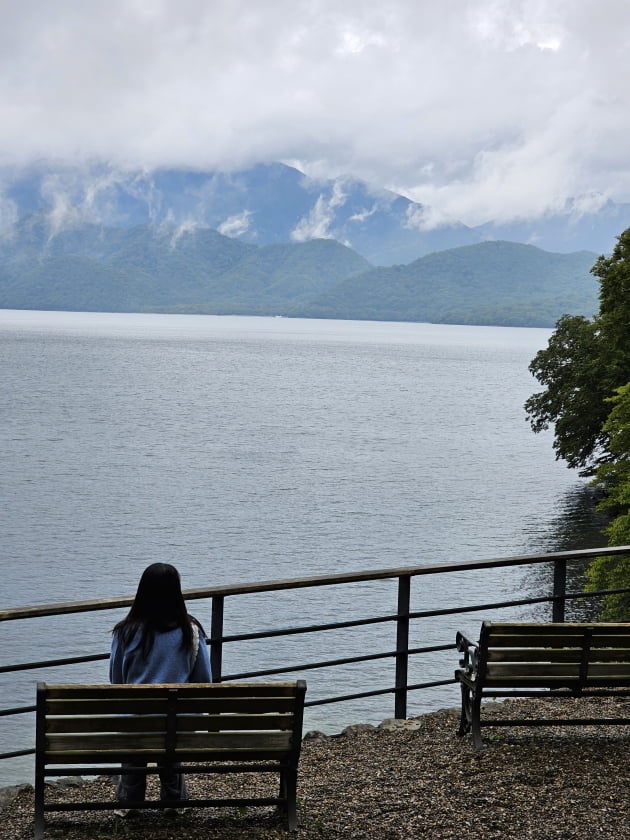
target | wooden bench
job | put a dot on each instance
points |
(210, 728)
(541, 660)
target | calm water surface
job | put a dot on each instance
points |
(245, 449)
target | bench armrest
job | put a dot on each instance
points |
(470, 650)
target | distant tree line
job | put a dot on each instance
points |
(585, 371)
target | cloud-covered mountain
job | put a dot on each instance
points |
(170, 268)
(162, 268)
(278, 204)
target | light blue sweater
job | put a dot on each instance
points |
(167, 662)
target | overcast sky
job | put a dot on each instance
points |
(478, 108)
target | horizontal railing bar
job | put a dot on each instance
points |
(434, 684)
(41, 610)
(341, 698)
(331, 663)
(309, 666)
(309, 628)
(53, 663)
(16, 754)
(18, 710)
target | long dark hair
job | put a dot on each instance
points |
(158, 606)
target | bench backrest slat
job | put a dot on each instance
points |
(188, 723)
(69, 690)
(210, 744)
(131, 705)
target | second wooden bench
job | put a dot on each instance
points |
(541, 660)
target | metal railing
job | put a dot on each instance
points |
(402, 619)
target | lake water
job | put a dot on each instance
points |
(245, 449)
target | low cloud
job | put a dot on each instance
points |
(317, 225)
(237, 225)
(486, 110)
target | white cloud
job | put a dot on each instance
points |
(236, 225)
(316, 225)
(492, 108)
(182, 229)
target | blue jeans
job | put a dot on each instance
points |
(133, 788)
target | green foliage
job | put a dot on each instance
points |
(586, 373)
(571, 368)
(170, 269)
(494, 283)
(583, 364)
(614, 479)
(163, 269)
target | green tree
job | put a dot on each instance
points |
(582, 366)
(574, 398)
(614, 479)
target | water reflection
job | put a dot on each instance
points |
(577, 525)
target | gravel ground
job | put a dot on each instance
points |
(406, 780)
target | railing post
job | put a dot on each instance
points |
(402, 646)
(216, 637)
(559, 588)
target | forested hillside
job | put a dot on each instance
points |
(491, 283)
(168, 268)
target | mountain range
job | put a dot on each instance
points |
(271, 241)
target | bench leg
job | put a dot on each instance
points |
(470, 720)
(288, 792)
(475, 723)
(38, 826)
(466, 714)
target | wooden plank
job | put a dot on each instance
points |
(68, 690)
(539, 669)
(112, 723)
(535, 655)
(105, 706)
(608, 681)
(531, 681)
(609, 654)
(92, 742)
(141, 706)
(612, 669)
(566, 627)
(95, 742)
(548, 640)
(228, 705)
(608, 640)
(185, 705)
(227, 742)
(187, 723)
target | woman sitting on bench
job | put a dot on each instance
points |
(158, 642)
